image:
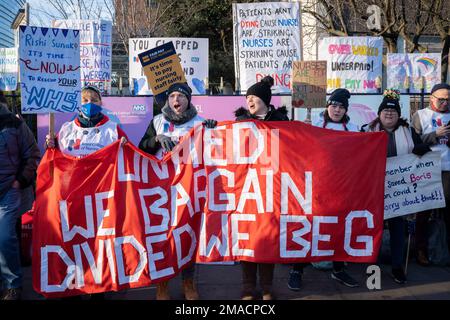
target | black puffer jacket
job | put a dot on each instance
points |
(19, 153)
(279, 114)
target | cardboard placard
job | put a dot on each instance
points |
(162, 67)
(309, 84)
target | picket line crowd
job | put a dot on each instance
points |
(92, 130)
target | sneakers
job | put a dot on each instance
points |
(162, 291)
(268, 296)
(295, 280)
(12, 294)
(344, 278)
(190, 291)
(399, 276)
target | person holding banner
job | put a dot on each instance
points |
(164, 132)
(402, 140)
(433, 125)
(335, 118)
(19, 157)
(259, 108)
(90, 131)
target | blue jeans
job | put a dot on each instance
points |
(10, 269)
(397, 241)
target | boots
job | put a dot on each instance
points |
(162, 291)
(190, 292)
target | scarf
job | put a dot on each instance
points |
(178, 119)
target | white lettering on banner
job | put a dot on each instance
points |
(316, 236)
(269, 190)
(229, 197)
(155, 208)
(236, 236)
(296, 236)
(118, 243)
(288, 184)
(176, 202)
(70, 276)
(257, 138)
(198, 193)
(122, 176)
(221, 246)
(68, 233)
(368, 240)
(251, 181)
(177, 238)
(102, 213)
(209, 142)
(156, 256)
(162, 172)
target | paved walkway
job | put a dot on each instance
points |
(217, 282)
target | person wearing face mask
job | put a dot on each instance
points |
(433, 125)
(90, 131)
(335, 118)
(401, 140)
(259, 108)
(164, 132)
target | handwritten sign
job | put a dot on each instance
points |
(309, 84)
(413, 184)
(193, 55)
(8, 69)
(354, 63)
(49, 69)
(162, 67)
(266, 41)
(95, 51)
(413, 71)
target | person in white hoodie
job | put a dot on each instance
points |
(335, 117)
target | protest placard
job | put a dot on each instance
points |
(413, 184)
(193, 55)
(95, 51)
(49, 69)
(267, 38)
(354, 63)
(309, 84)
(9, 68)
(412, 72)
(162, 67)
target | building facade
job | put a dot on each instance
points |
(8, 11)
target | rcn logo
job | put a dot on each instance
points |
(139, 107)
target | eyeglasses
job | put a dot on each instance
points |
(440, 100)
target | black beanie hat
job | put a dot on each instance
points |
(440, 86)
(339, 97)
(262, 89)
(182, 88)
(390, 101)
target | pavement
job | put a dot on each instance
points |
(223, 282)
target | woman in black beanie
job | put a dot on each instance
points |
(259, 108)
(402, 140)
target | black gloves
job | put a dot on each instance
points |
(166, 143)
(421, 149)
(210, 123)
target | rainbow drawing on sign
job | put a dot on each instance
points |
(426, 65)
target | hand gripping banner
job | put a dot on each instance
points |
(277, 192)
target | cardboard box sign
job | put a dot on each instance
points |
(162, 67)
(309, 84)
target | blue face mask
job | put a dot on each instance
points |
(91, 109)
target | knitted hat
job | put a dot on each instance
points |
(182, 88)
(390, 101)
(440, 86)
(339, 97)
(262, 89)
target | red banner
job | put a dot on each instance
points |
(277, 192)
